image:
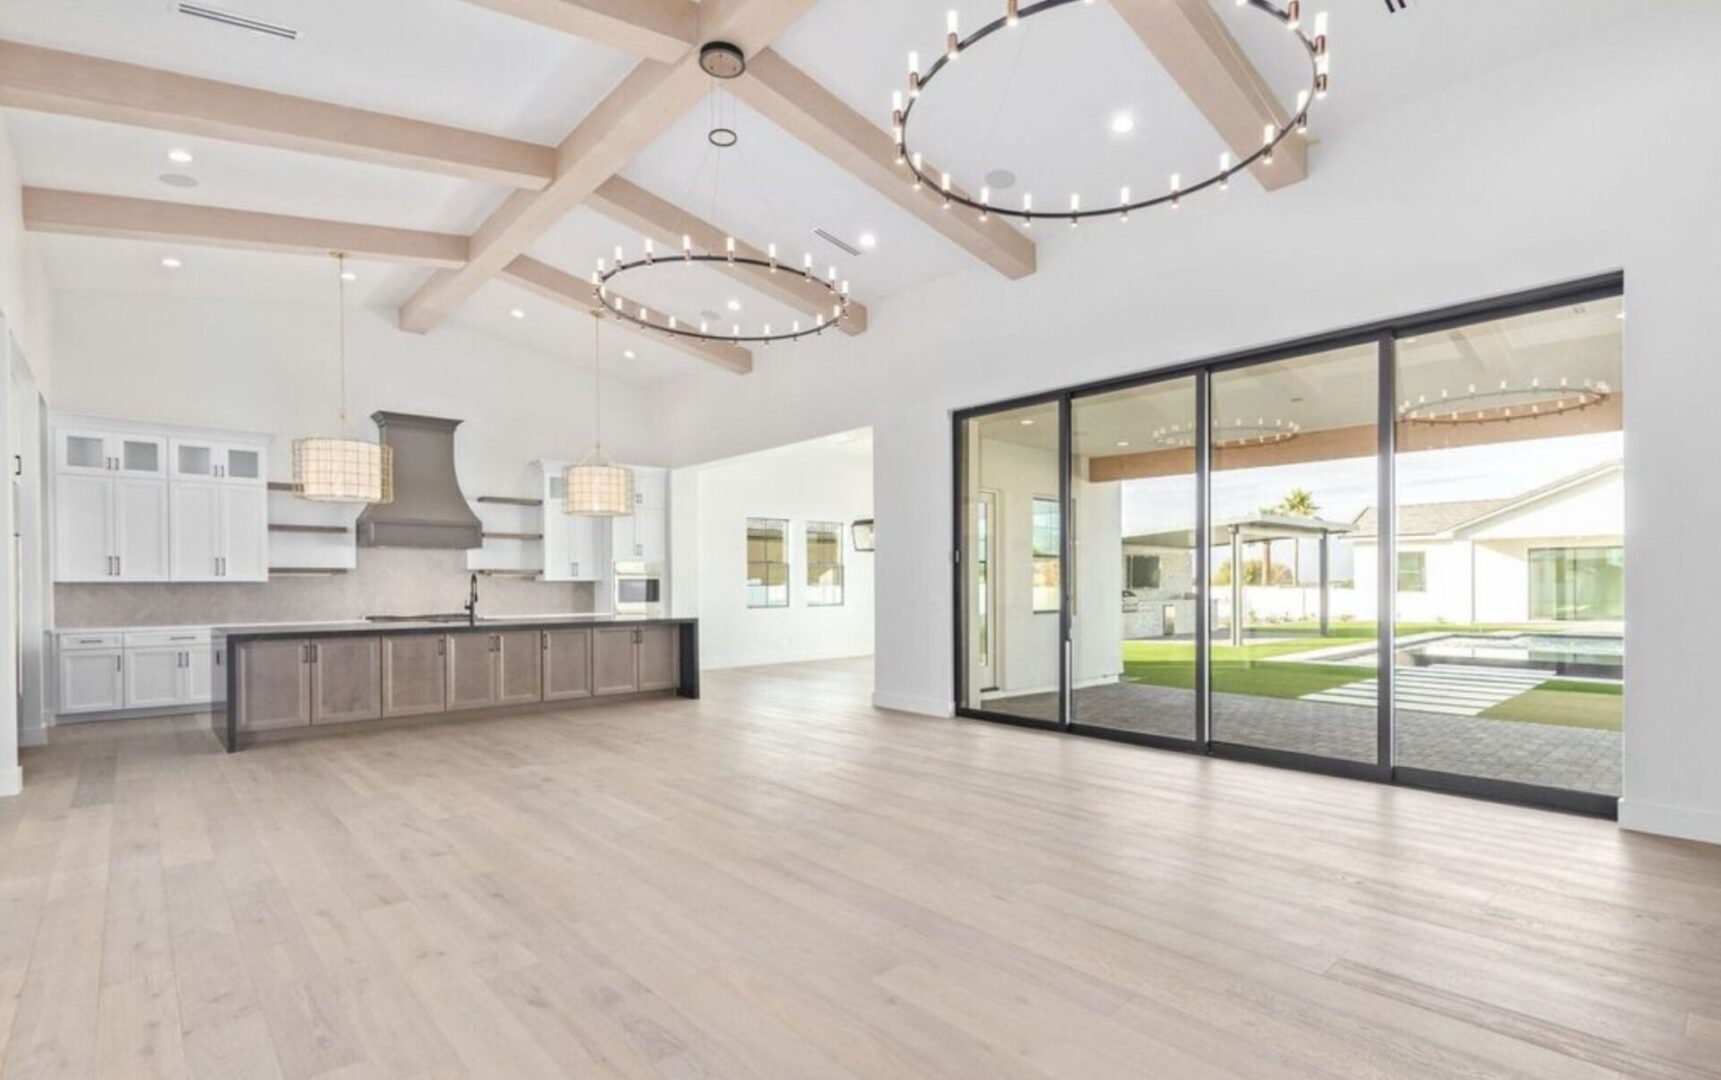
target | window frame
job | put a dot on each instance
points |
(833, 530)
(788, 576)
(1421, 558)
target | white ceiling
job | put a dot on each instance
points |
(1052, 92)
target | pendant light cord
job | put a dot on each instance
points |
(597, 384)
(341, 289)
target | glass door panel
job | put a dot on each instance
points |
(1294, 612)
(1510, 634)
(1134, 494)
(1012, 565)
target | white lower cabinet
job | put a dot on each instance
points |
(115, 670)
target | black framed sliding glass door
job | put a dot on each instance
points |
(1395, 552)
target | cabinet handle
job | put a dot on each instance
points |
(316, 652)
(441, 646)
(119, 663)
(576, 569)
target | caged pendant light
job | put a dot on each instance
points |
(597, 486)
(343, 468)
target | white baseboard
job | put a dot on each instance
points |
(11, 781)
(721, 662)
(33, 736)
(911, 703)
(1675, 821)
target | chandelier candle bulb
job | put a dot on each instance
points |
(952, 42)
(686, 246)
(1225, 171)
(650, 255)
(1176, 190)
(1012, 12)
(1320, 33)
(913, 75)
(1294, 15)
(1269, 136)
(1303, 112)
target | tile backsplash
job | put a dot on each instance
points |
(387, 581)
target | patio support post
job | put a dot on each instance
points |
(1237, 584)
(1326, 612)
(1386, 534)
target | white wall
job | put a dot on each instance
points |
(824, 481)
(1573, 161)
(271, 368)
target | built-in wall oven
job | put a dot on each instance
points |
(638, 588)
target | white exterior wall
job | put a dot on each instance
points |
(1465, 193)
(802, 483)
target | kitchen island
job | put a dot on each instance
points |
(280, 677)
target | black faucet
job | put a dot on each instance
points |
(472, 603)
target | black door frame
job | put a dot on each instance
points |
(1384, 334)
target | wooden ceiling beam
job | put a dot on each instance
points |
(564, 288)
(50, 81)
(792, 100)
(646, 103)
(661, 30)
(1190, 40)
(48, 210)
(626, 203)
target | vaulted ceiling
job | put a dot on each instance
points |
(502, 146)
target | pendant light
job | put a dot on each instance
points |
(343, 468)
(597, 486)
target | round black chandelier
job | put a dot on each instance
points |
(721, 61)
(1015, 12)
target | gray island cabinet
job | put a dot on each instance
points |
(285, 677)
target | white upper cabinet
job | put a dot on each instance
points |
(575, 548)
(650, 487)
(227, 463)
(140, 506)
(95, 452)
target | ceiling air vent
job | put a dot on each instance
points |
(834, 242)
(237, 21)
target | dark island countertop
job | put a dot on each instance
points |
(265, 631)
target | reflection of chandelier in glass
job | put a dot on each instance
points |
(1313, 41)
(1506, 404)
(1233, 436)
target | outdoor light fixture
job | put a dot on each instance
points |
(1016, 14)
(1231, 436)
(1505, 404)
(343, 468)
(721, 61)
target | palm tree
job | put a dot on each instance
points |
(1298, 502)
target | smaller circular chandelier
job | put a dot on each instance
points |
(343, 468)
(1129, 198)
(1233, 436)
(722, 61)
(1505, 404)
(643, 317)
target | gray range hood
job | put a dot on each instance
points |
(428, 510)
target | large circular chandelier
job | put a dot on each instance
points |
(721, 61)
(1505, 403)
(1129, 197)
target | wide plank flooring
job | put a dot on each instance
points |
(780, 882)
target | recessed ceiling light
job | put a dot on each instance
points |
(733, 305)
(171, 263)
(180, 156)
(868, 241)
(1122, 123)
(628, 354)
(517, 313)
(348, 275)
(1620, 315)
(1026, 423)
(1123, 442)
(180, 180)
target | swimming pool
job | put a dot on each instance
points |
(1590, 656)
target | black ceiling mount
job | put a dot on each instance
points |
(722, 60)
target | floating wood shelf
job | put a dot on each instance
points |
(276, 485)
(510, 573)
(307, 571)
(509, 500)
(275, 526)
(513, 536)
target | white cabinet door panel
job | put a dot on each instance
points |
(83, 528)
(244, 533)
(91, 680)
(141, 530)
(196, 532)
(154, 678)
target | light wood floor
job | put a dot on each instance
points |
(780, 882)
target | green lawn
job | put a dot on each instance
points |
(1240, 670)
